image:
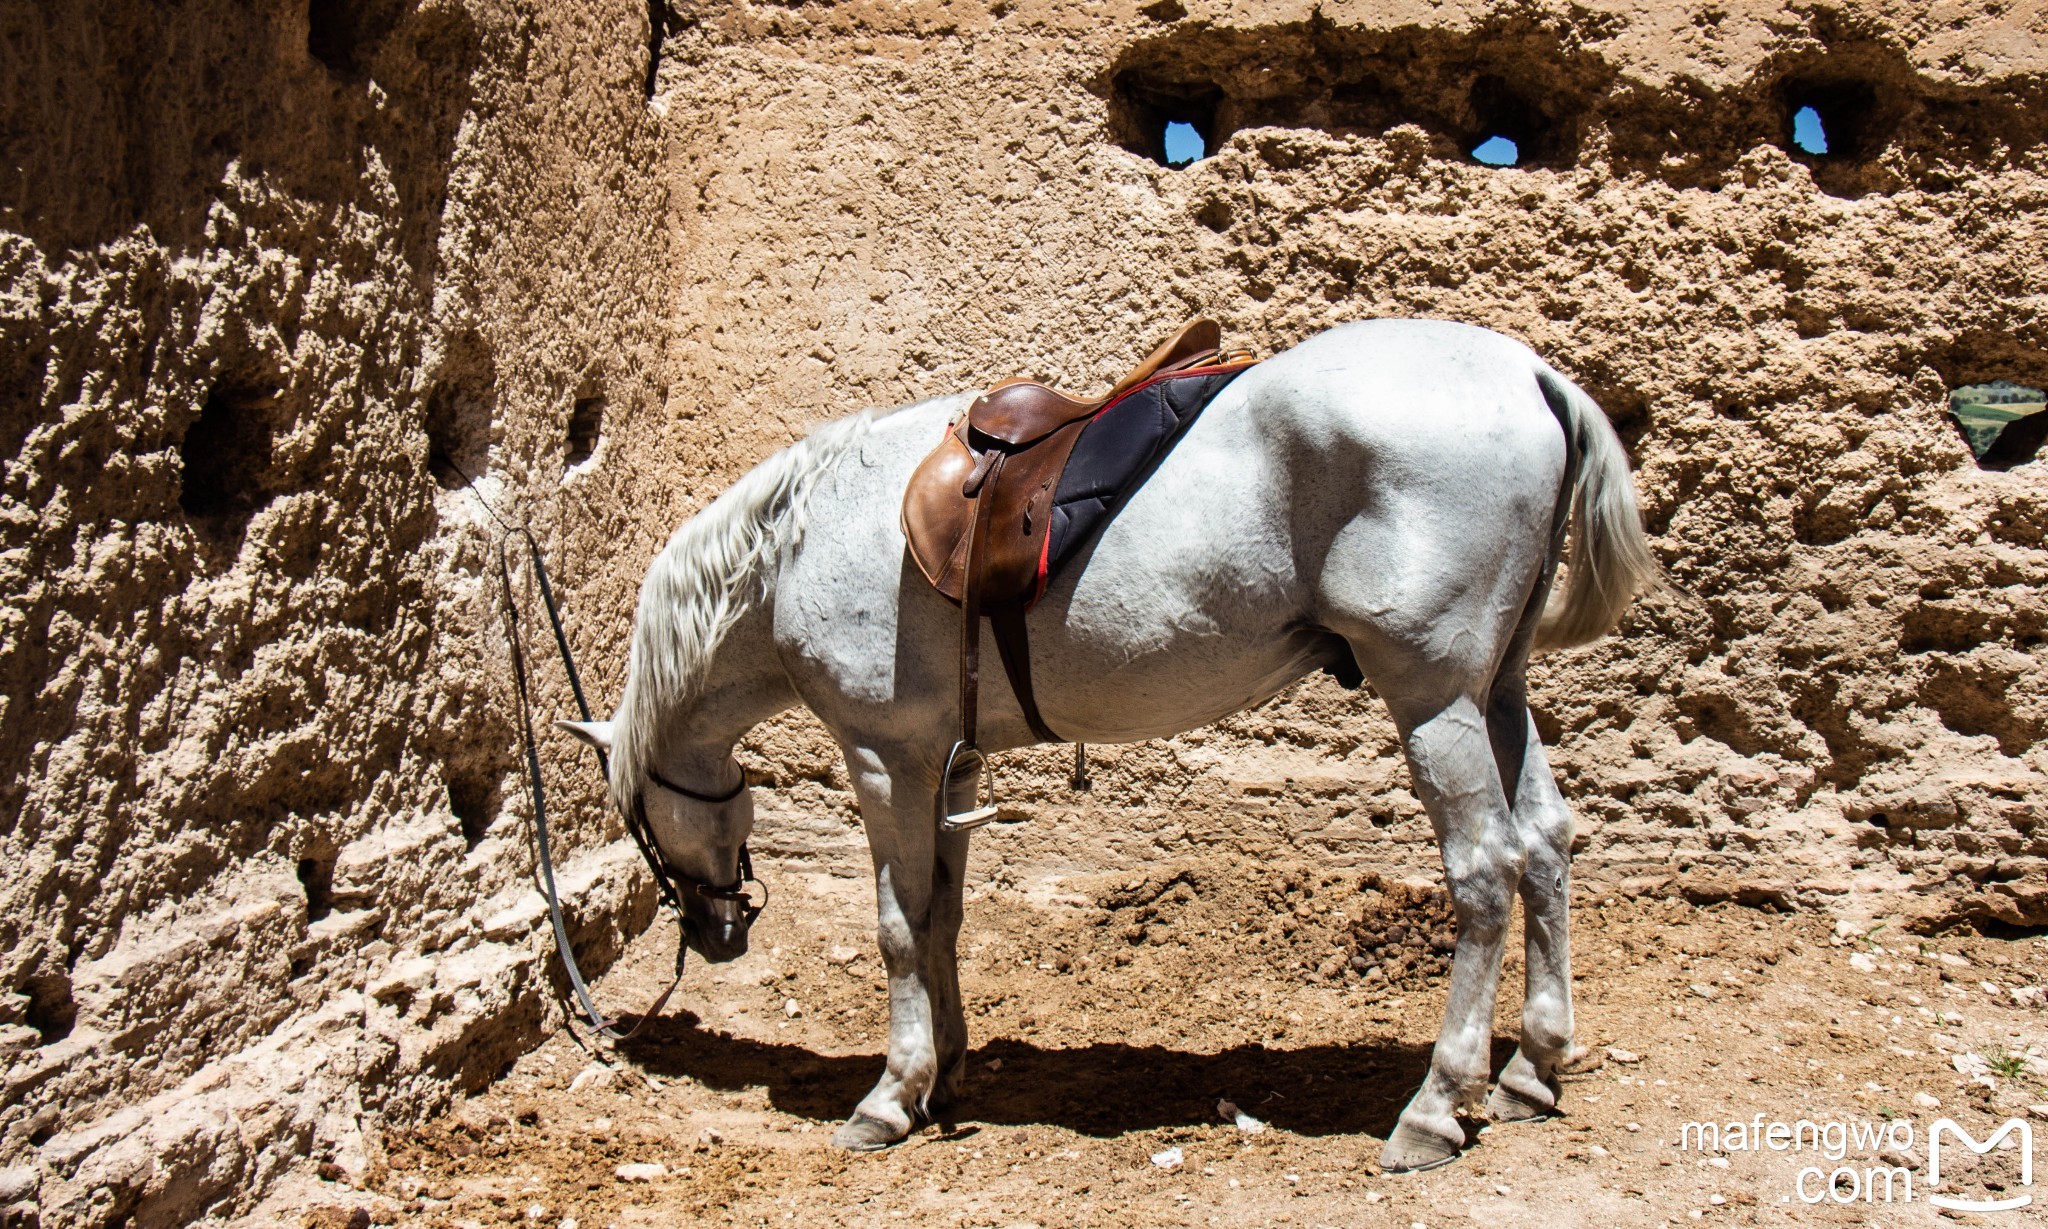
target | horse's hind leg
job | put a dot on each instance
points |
(918, 886)
(1528, 1086)
(1451, 758)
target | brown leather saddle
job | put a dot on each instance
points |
(978, 516)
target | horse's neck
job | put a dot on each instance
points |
(745, 686)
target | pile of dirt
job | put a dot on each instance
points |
(1404, 934)
(1313, 925)
(1290, 918)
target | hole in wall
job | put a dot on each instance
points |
(343, 34)
(658, 27)
(2003, 422)
(1497, 150)
(51, 1009)
(1514, 83)
(462, 417)
(1512, 126)
(1809, 132)
(474, 802)
(226, 453)
(316, 876)
(586, 428)
(1171, 122)
(1833, 119)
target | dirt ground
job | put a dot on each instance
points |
(1111, 1014)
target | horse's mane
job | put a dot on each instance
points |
(714, 570)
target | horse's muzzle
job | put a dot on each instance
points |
(716, 939)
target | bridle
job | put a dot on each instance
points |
(673, 885)
(668, 877)
(669, 883)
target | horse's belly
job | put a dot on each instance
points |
(1185, 611)
(1090, 695)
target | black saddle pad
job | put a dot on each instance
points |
(1117, 451)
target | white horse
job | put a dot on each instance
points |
(1392, 493)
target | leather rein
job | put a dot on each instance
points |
(670, 884)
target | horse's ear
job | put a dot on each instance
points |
(597, 733)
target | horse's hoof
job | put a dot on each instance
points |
(862, 1133)
(1507, 1105)
(1411, 1150)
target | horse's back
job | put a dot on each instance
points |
(1388, 480)
(1392, 481)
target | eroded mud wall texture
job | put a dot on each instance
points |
(278, 276)
(1843, 703)
(274, 275)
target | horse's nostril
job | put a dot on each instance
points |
(717, 942)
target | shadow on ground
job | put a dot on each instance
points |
(1104, 1089)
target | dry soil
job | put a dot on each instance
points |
(1111, 1015)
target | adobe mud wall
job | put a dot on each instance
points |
(278, 278)
(275, 274)
(1843, 704)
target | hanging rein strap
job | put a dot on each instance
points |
(636, 823)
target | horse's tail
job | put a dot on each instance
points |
(1609, 560)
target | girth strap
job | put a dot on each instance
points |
(1013, 642)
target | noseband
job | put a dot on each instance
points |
(697, 887)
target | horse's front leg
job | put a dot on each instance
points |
(918, 899)
(1454, 772)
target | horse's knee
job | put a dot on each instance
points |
(1483, 884)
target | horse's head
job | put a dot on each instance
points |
(701, 836)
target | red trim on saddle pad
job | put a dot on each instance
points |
(1045, 545)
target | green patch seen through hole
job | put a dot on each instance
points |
(1986, 412)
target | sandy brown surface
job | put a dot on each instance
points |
(274, 278)
(1109, 1019)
